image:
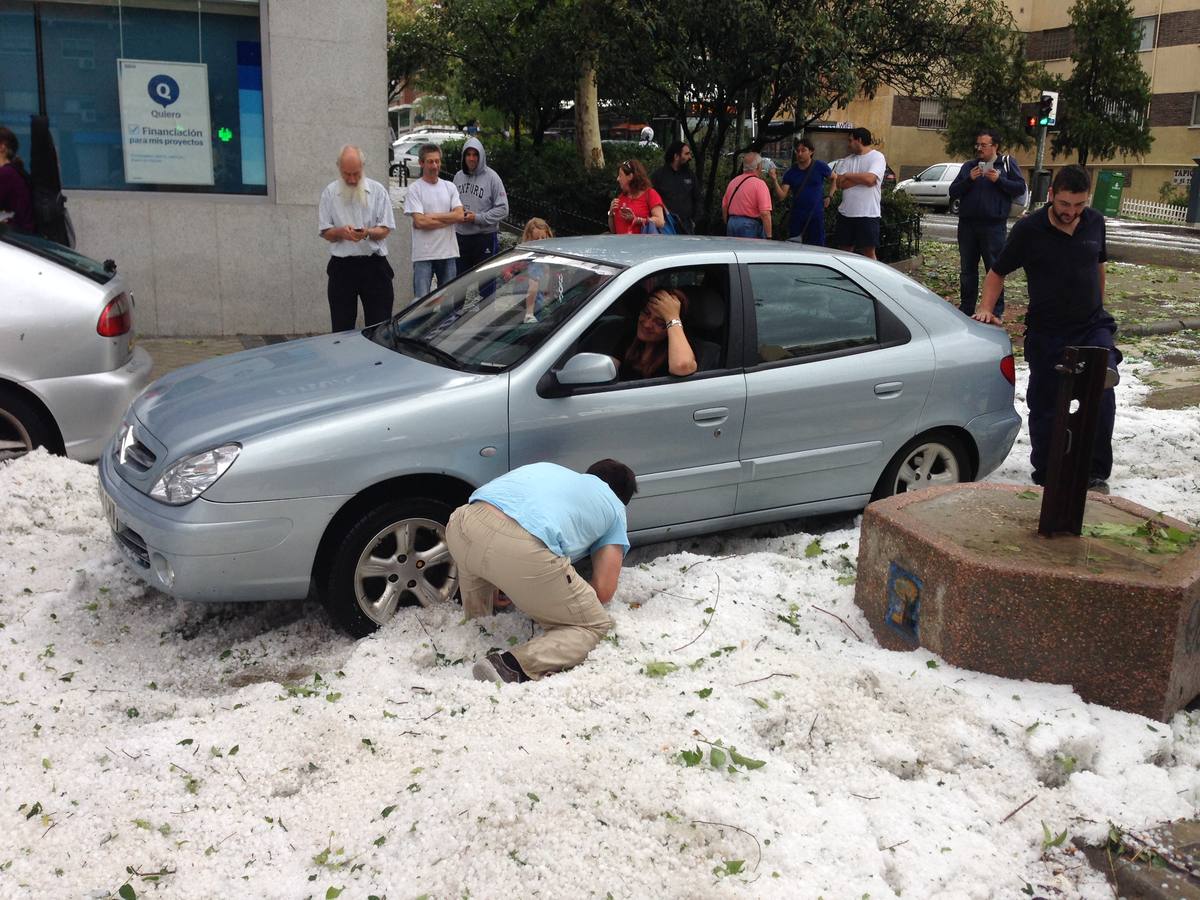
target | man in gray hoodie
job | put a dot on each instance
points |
(486, 204)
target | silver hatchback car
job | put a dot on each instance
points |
(825, 379)
(68, 364)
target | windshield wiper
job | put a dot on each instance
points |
(425, 347)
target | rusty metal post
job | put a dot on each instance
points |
(1081, 378)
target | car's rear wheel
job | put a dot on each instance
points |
(926, 461)
(394, 556)
(22, 427)
(955, 203)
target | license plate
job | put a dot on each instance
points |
(110, 511)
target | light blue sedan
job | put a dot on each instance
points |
(332, 463)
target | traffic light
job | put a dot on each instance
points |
(1031, 124)
(1048, 108)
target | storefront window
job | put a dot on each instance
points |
(160, 95)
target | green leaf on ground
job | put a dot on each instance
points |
(659, 669)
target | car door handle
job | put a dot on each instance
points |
(889, 389)
(712, 416)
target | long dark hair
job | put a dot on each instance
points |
(8, 140)
(637, 347)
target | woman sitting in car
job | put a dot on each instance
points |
(660, 346)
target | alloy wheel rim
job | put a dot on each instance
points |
(928, 465)
(15, 441)
(406, 563)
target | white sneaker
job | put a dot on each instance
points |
(530, 319)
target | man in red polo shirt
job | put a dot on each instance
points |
(746, 207)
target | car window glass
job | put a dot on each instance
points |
(802, 310)
(933, 173)
(496, 314)
(705, 321)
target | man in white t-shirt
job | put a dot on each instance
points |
(435, 208)
(860, 177)
(355, 217)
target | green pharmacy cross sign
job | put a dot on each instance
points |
(225, 134)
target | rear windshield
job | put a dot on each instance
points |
(64, 256)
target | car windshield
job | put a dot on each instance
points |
(64, 256)
(495, 315)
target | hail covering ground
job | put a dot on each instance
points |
(156, 748)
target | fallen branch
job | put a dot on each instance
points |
(709, 560)
(707, 621)
(735, 828)
(861, 797)
(1018, 809)
(427, 634)
(812, 726)
(840, 619)
(766, 677)
(897, 844)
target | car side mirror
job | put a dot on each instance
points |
(580, 370)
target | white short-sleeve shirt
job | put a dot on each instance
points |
(334, 212)
(423, 197)
(861, 201)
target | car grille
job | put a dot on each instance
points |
(139, 456)
(133, 545)
(133, 453)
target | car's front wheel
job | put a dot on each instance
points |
(955, 203)
(925, 461)
(394, 556)
(22, 427)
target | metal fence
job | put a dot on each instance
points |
(899, 240)
(564, 222)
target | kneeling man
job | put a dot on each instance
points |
(520, 533)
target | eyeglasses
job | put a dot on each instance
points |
(988, 144)
(627, 167)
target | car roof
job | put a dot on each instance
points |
(629, 250)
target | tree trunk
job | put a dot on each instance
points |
(587, 118)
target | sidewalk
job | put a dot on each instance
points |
(171, 353)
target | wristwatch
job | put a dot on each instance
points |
(674, 322)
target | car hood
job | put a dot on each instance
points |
(235, 397)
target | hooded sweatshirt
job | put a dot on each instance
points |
(482, 193)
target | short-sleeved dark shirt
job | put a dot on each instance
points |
(1063, 270)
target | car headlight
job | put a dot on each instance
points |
(187, 479)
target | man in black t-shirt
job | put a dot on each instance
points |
(1061, 247)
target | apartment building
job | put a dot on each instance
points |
(910, 131)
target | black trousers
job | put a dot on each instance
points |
(352, 277)
(475, 248)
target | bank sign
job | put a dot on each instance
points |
(166, 128)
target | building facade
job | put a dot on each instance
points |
(910, 129)
(194, 139)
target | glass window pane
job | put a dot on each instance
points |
(18, 71)
(804, 310)
(81, 44)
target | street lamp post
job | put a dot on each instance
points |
(1193, 211)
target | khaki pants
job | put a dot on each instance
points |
(493, 551)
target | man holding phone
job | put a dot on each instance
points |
(355, 216)
(985, 188)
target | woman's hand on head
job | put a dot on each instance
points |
(665, 305)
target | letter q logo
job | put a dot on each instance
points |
(163, 89)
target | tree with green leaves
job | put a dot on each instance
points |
(1104, 101)
(997, 79)
(717, 63)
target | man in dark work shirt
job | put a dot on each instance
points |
(1061, 247)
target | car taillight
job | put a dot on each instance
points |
(116, 318)
(1008, 368)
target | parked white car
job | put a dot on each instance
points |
(932, 186)
(68, 364)
(405, 164)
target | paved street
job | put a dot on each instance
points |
(1137, 242)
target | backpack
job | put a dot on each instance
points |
(1020, 204)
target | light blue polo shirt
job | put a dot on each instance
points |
(574, 515)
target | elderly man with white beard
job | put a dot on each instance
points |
(355, 216)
